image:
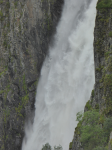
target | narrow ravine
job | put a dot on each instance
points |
(67, 78)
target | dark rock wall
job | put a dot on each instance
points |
(103, 61)
(26, 28)
(102, 94)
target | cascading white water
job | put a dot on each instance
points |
(67, 78)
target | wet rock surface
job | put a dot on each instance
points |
(26, 29)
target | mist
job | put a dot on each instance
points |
(67, 78)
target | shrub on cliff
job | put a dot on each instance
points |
(91, 132)
(94, 134)
(107, 128)
(104, 4)
(48, 147)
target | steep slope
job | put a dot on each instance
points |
(101, 97)
(69, 67)
(26, 27)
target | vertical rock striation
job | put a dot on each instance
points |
(26, 27)
(102, 94)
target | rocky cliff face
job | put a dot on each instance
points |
(101, 97)
(26, 28)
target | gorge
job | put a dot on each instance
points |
(60, 34)
(66, 79)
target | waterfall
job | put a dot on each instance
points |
(67, 78)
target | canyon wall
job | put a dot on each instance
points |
(101, 96)
(26, 29)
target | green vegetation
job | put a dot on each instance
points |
(107, 54)
(102, 4)
(88, 105)
(48, 21)
(1, 1)
(8, 24)
(110, 143)
(100, 68)
(94, 132)
(101, 119)
(5, 44)
(20, 28)
(2, 91)
(7, 5)
(3, 72)
(24, 84)
(107, 126)
(79, 119)
(23, 102)
(6, 114)
(48, 147)
(110, 33)
(15, 3)
(70, 145)
(91, 131)
(106, 86)
(92, 93)
(6, 90)
(1, 14)
(79, 116)
(109, 63)
(8, 46)
(2, 148)
(97, 106)
(107, 83)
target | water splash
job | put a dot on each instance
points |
(67, 78)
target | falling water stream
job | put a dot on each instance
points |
(67, 78)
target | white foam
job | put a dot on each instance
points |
(67, 78)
